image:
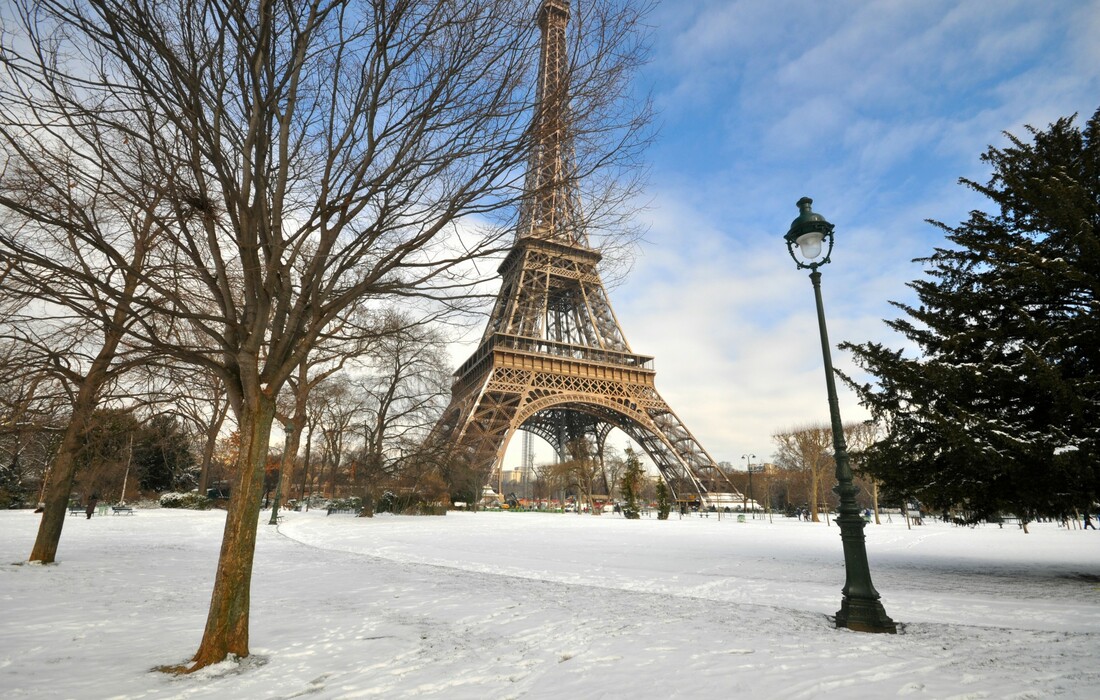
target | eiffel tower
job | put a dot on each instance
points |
(553, 360)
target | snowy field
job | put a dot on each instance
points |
(500, 605)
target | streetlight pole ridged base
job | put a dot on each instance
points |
(860, 609)
(864, 616)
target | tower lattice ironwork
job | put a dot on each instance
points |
(553, 360)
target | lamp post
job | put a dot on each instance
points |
(754, 469)
(860, 609)
(748, 465)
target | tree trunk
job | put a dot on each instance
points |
(322, 470)
(286, 470)
(332, 475)
(56, 498)
(208, 450)
(814, 496)
(289, 460)
(306, 479)
(227, 621)
(874, 500)
(59, 486)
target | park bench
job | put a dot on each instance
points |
(122, 510)
(341, 511)
(76, 510)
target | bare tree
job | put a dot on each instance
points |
(32, 413)
(583, 469)
(859, 437)
(53, 208)
(543, 486)
(324, 360)
(559, 479)
(201, 399)
(612, 467)
(805, 456)
(337, 408)
(808, 449)
(403, 384)
(313, 423)
(293, 157)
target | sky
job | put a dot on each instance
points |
(873, 108)
(539, 605)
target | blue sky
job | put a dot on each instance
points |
(874, 109)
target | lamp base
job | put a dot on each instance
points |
(861, 615)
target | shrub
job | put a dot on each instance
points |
(408, 504)
(192, 501)
(350, 503)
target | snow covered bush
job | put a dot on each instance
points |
(351, 503)
(192, 500)
(408, 504)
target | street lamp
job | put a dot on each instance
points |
(748, 465)
(860, 609)
(754, 469)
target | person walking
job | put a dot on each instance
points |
(1088, 521)
(91, 505)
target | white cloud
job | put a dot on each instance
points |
(734, 332)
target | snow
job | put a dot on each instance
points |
(526, 605)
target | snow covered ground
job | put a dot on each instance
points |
(523, 605)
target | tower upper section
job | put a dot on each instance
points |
(552, 208)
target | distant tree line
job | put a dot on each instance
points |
(363, 432)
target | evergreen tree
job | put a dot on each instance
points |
(163, 457)
(631, 485)
(1000, 411)
(13, 490)
(664, 505)
(105, 452)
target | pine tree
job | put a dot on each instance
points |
(631, 485)
(13, 491)
(163, 457)
(1000, 410)
(664, 505)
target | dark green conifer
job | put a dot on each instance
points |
(664, 506)
(999, 412)
(631, 485)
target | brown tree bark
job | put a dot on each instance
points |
(226, 629)
(56, 495)
(55, 499)
(213, 429)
